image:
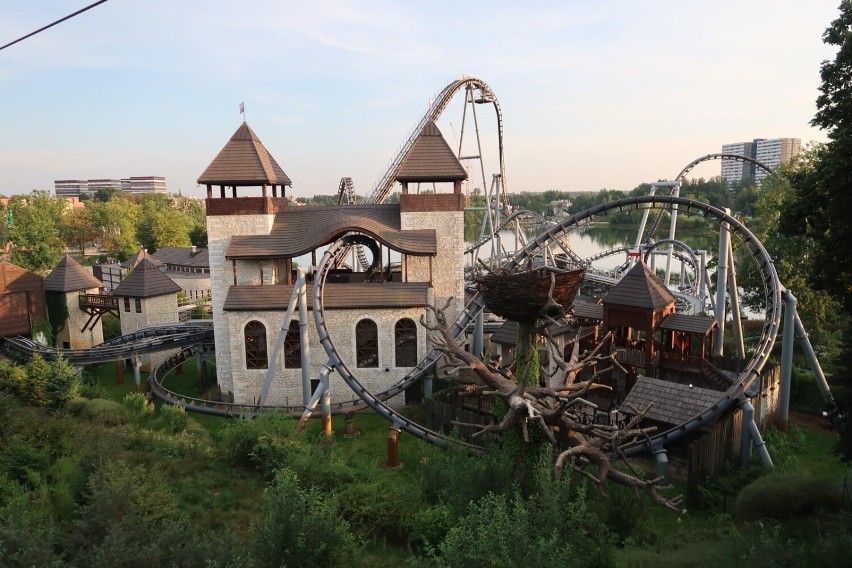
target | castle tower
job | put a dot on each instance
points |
(243, 162)
(63, 288)
(431, 161)
(147, 297)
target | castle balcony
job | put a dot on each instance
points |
(98, 302)
(245, 205)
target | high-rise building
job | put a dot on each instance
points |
(137, 184)
(70, 187)
(769, 152)
(144, 184)
(773, 153)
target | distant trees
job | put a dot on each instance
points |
(34, 231)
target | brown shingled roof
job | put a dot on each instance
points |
(640, 288)
(244, 161)
(298, 230)
(673, 403)
(688, 323)
(132, 261)
(146, 281)
(430, 159)
(70, 276)
(335, 296)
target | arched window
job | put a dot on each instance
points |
(255, 338)
(367, 343)
(293, 347)
(405, 339)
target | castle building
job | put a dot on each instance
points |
(373, 314)
(147, 297)
(63, 287)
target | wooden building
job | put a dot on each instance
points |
(21, 300)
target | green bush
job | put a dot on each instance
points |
(382, 509)
(175, 418)
(138, 407)
(428, 528)
(786, 495)
(453, 478)
(37, 371)
(13, 378)
(62, 385)
(241, 437)
(300, 527)
(100, 411)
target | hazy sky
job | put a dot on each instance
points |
(594, 93)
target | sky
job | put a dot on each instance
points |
(594, 93)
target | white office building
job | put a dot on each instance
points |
(769, 152)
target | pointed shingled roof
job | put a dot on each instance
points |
(146, 281)
(244, 161)
(430, 159)
(132, 261)
(640, 288)
(70, 276)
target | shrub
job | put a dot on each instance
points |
(99, 410)
(138, 407)
(786, 495)
(37, 370)
(62, 383)
(300, 527)
(241, 437)
(12, 378)
(428, 528)
(175, 418)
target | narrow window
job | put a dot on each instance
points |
(138, 305)
(126, 304)
(255, 339)
(367, 343)
(293, 347)
(405, 339)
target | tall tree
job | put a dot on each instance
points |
(116, 221)
(824, 203)
(34, 230)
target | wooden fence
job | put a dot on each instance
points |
(716, 445)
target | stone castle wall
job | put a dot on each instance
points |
(286, 387)
(77, 318)
(448, 264)
(219, 232)
(158, 310)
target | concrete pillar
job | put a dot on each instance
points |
(137, 375)
(787, 346)
(349, 421)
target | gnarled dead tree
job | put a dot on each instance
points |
(554, 409)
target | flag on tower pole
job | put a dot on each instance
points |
(243, 110)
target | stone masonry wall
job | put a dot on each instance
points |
(77, 318)
(159, 310)
(448, 264)
(286, 387)
(220, 229)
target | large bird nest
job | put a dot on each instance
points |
(526, 295)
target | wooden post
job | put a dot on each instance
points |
(119, 372)
(393, 448)
(349, 421)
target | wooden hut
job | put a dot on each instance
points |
(21, 300)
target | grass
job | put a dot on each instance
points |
(108, 383)
(226, 497)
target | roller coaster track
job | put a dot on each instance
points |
(737, 393)
(524, 213)
(346, 192)
(688, 258)
(148, 340)
(719, 156)
(439, 104)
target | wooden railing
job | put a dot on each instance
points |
(98, 301)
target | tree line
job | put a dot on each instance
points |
(38, 227)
